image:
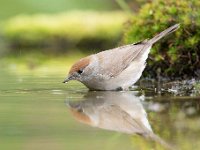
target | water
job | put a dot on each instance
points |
(39, 112)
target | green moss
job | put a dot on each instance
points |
(180, 51)
(197, 87)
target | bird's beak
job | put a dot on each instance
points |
(67, 79)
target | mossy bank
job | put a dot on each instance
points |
(178, 54)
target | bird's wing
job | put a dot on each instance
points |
(113, 62)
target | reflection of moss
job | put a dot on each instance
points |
(176, 126)
(141, 143)
(65, 30)
(178, 54)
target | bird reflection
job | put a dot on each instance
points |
(116, 111)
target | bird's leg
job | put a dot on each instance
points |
(125, 88)
(119, 89)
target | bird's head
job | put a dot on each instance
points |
(78, 70)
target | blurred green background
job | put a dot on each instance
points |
(34, 32)
(11, 8)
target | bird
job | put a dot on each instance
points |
(115, 69)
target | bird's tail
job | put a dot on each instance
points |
(163, 33)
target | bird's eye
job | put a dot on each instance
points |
(80, 71)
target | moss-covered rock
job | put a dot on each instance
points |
(178, 54)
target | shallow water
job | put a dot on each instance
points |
(39, 112)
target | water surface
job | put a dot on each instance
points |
(39, 112)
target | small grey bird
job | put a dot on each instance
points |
(117, 68)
